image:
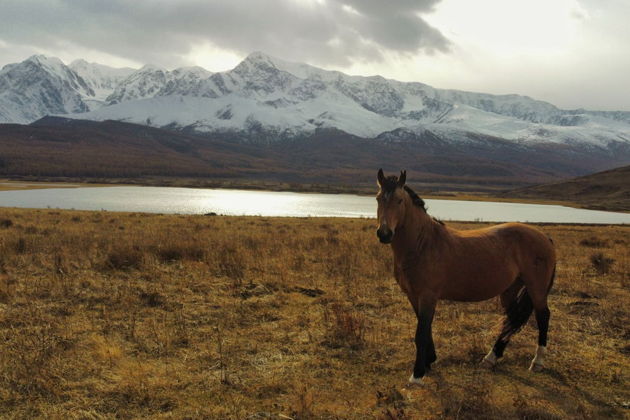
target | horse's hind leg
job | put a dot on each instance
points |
(542, 320)
(431, 356)
(518, 307)
(539, 293)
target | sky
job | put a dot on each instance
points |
(572, 53)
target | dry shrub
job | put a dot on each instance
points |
(124, 258)
(143, 385)
(472, 402)
(152, 299)
(21, 245)
(394, 414)
(171, 253)
(390, 397)
(304, 404)
(27, 359)
(594, 242)
(343, 262)
(345, 328)
(231, 263)
(532, 409)
(601, 263)
(6, 223)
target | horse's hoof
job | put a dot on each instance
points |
(537, 363)
(489, 361)
(487, 364)
(416, 381)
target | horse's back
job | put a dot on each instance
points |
(509, 234)
(527, 237)
(490, 259)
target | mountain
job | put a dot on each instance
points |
(284, 99)
(39, 86)
(101, 79)
(265, 100)
(113, 150)
(609, 190)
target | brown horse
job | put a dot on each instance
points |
(433, 262)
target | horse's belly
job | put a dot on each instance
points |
(471, 295)
(475, 289)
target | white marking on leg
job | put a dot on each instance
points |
(414, 380)
(539, 359)
(489, 360)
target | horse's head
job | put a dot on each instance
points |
(391, 204)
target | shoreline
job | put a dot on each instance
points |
(19, 185)
(303, 188)
(349, 219)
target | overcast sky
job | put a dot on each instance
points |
(572, 53)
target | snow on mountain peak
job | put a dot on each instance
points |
(39, 86)
(267, 93)
(52, 64)
(101, 79)
(193, 70)
(150, 68)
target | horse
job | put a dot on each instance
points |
(434, 262)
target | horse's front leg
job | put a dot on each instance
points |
(425, 351)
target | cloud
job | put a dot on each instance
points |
(335, 32)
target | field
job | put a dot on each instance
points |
(112, 315)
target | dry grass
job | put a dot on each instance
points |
(107, 315)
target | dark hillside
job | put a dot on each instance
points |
(56, 147)
(608, 190)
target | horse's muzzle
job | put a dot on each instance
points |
(385, 235)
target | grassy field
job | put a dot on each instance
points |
(112, 315)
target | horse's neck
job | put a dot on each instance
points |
(417, 232)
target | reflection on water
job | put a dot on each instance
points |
(268, 203)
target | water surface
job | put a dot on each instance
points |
(270, 203)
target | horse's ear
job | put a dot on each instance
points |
(380, 177)
(402, 179)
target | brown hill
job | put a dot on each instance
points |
(115, 151)
(608, 190)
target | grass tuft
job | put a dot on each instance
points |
(594, 242)
(124, 258)
(346, 327)
(601, 263)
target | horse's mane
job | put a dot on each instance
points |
(419, 202)
(391, 183)
(415, 198)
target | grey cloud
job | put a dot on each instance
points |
(162, 31)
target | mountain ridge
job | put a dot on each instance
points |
(265, 99)
(64, 147)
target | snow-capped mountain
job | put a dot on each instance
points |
(101, 79)
(151, 81)
(39, 86)
(268, 98)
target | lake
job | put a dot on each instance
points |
(269, 203)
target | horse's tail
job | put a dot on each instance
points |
(553, 277)
(518, 312)
(553, 273)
